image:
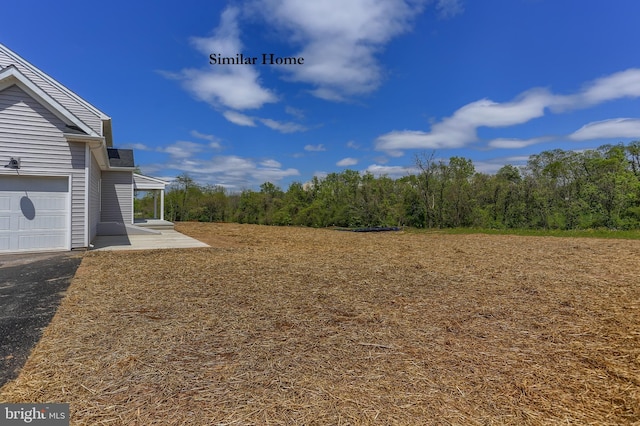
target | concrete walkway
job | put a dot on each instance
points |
(164, 240)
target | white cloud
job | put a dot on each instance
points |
(328, 95)
(623, 84)
(345, 162)
(214, 142)
(527, 106)
(238, 118)
(614, 128)
(320, 174)
(491, 166)
(137, 147)
(394, 142)
(271, 164)
(460, 129)
(449, 8)
(239, 89)
(183, 149)
(231, 86)
(339, 39)
(262, 175)
(231, 171)
(394, 172)
(319, 147)
(512, 143)
(245, 120)
(226, 38)
(297, 113)
(282, 127)
(353, 145)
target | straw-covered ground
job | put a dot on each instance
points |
(302, 326)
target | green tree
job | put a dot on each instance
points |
(458, 201)
(250, 207)
(215, 204)
(557, 189)
(182, 200)
(296, 199)
(508, 200)
(271, 197)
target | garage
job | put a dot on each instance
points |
(34, 213)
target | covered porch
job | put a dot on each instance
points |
(150, 218)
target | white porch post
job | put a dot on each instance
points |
(155, 204)
(162, 204)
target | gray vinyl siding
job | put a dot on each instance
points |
(32, 133)
(95, 175)
(78, 194)
(88, 116)
(117, 199)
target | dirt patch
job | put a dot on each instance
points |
(302, 326)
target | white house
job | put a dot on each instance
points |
(61, 180)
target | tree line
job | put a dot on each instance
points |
(557, 189)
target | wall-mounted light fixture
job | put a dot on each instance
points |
(13, 164)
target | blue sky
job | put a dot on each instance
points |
(382, 80)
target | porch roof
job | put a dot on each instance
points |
(145, 183)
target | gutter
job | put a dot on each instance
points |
(96, 144)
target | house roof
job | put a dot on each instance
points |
(84, 122)
(91, 120)
(120, 157)
(11, 75)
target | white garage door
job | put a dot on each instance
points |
(34, 213)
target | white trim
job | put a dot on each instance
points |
(133, 204)
(35, 172)
(69, 211)
(87, 186)
(162, 205)
(72, 137)
(121, 169)
(155, 204)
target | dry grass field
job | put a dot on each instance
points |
(290, 326)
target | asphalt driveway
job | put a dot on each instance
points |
(31, 287)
